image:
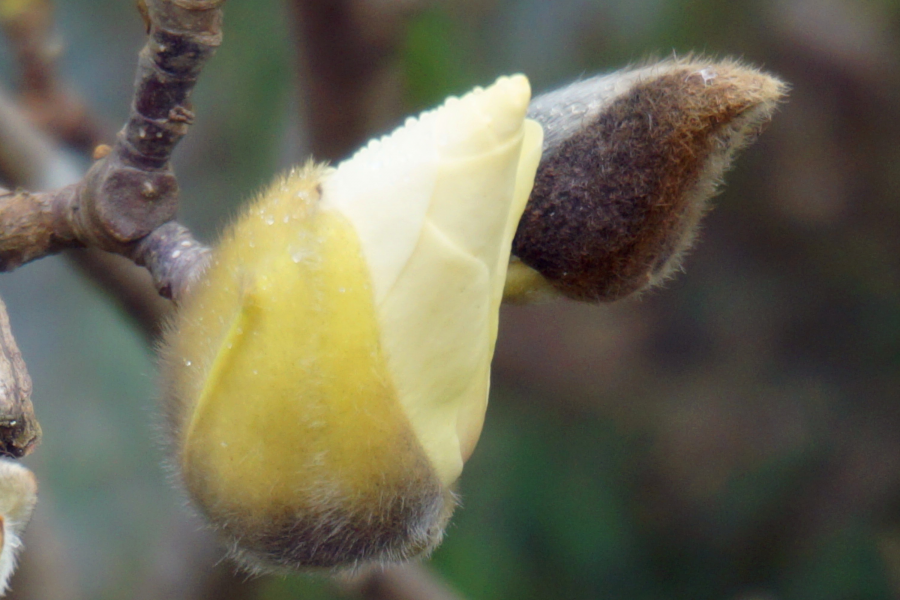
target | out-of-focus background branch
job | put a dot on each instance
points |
(732, 436)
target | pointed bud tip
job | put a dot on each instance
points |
(479, 120)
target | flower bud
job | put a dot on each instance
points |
(630, 160)
(18, 495)
(327, 378)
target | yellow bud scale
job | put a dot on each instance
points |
(327, 378)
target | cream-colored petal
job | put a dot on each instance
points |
(384, 191)
(435, 333)
(439, 319)
(471, 413)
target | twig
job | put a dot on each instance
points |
(126, 202)
(29, 159)
(19, 430)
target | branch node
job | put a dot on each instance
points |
(173, 257)
(121, 204)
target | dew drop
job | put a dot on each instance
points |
(577, 108)
(707, 74)
(300, 255)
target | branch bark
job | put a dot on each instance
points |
(19, 429)
(127, 201)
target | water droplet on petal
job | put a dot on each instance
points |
(300, 254)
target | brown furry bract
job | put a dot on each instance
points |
(617, 201)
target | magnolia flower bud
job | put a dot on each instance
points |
(18, 495)
(630, 160)
(328, 377)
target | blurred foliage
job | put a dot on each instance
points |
(434, 62)
(735, 435)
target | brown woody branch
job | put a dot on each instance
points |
(127, 201)
(30, 159)
(19, 430)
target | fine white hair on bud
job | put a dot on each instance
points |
(328, 376)
(18, 495)
(630, 160)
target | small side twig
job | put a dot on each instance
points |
(19, 430)
(29, 159)
(126, 203)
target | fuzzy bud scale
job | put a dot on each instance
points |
(328, 376)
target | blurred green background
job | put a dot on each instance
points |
(735, 435)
